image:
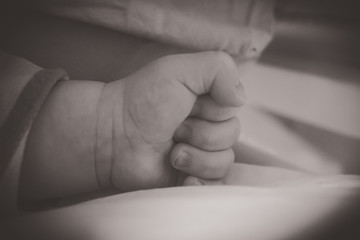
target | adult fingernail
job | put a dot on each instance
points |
(182, 159)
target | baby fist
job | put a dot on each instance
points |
(179, 107)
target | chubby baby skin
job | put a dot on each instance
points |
(172, 122)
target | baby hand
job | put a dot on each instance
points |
(179, 108)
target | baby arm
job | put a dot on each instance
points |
(59, 156)
(90, 136)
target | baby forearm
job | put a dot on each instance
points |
(59, 157)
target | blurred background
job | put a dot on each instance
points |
(316, 34)
(304, 94)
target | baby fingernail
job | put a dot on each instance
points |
(182, 159)
(192, 181)
(241, 91)
(183, 132)
(197, 182)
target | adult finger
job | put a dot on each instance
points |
(206, 135)
(199, 163)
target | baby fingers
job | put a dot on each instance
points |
(199, 163)
(206, 108)
(194, 181)
(208, 136)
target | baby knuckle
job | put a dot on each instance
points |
(156, 71)
(237, 127)
(162, 65)
(209, 141)
(163, 60)
(231, 157)
(213, 171)
(226, 113)
(224, 59)
(208, 172)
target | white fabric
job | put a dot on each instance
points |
(241, 28)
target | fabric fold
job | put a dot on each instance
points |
(242, 28)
